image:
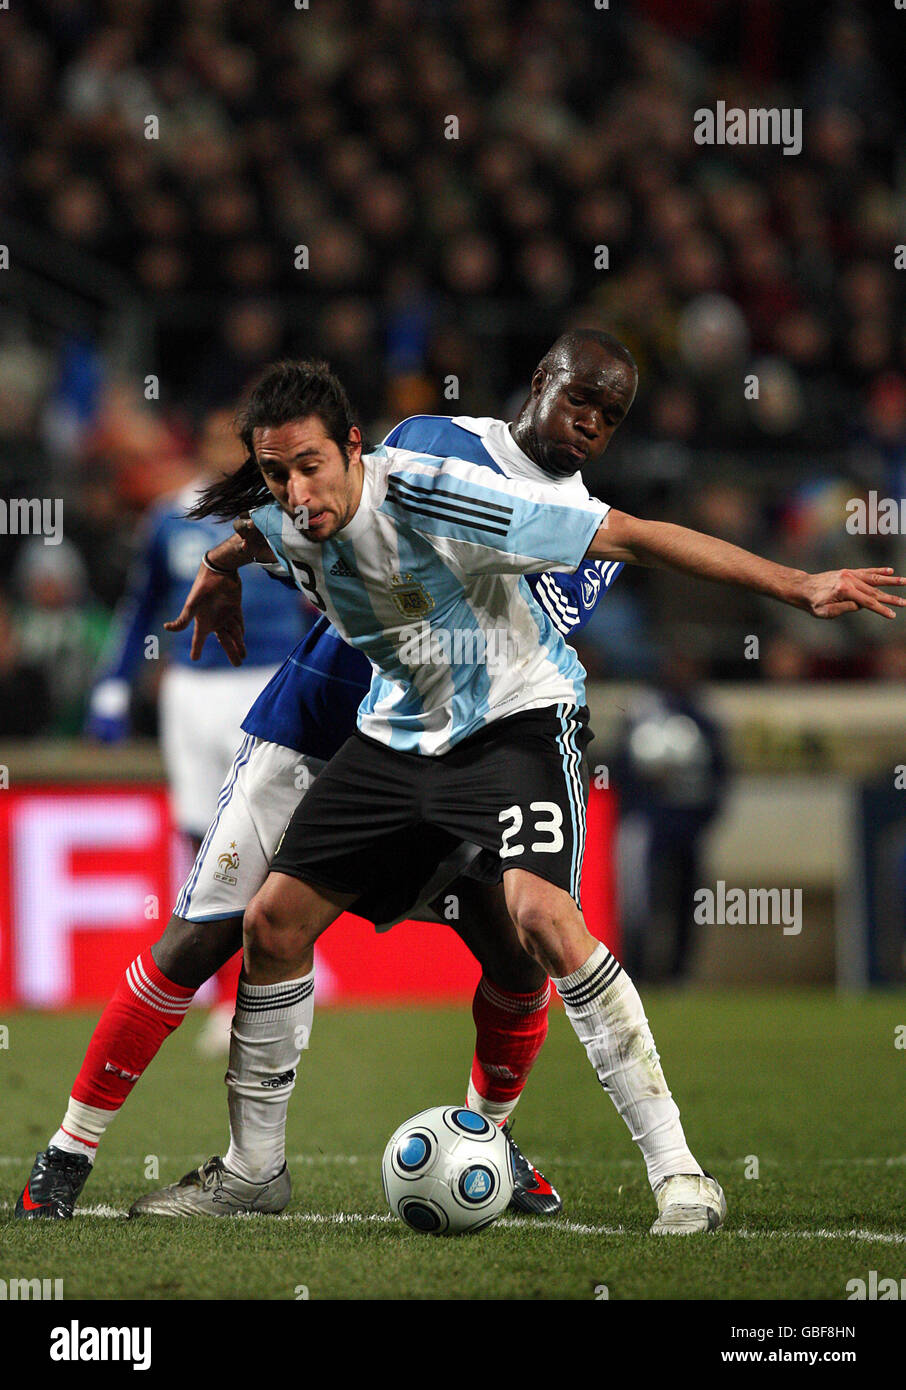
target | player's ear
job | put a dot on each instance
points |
(354, 444)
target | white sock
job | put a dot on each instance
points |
(604, 1008)
(498, 1111)
(82, 1129)
(271, 1026)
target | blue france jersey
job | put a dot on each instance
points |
(170, 553)
(568, 599)
(427, 581)
(294, 709)
(311, 703)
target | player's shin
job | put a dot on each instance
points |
(271, 1026)
(145, 1009)
(509, 1032)
(605, 1010)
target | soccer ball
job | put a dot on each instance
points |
(447, 1171)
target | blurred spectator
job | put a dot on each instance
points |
(24, 686)
(669, 775)
(59, 627)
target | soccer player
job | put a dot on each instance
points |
(450, 752)
(202, 704)
(301, 718)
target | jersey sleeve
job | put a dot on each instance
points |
(483, 524)
(269, 521)
(570, 599)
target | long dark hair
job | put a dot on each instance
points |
(283, 392)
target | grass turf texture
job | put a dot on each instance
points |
(809, 1085)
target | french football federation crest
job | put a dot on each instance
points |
(410, 596)
(226, 862)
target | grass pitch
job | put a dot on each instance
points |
(794, 1100)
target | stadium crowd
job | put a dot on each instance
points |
(442, 257)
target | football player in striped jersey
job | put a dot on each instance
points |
(450, 750)
(579, 393)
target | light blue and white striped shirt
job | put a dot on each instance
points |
(427, 580)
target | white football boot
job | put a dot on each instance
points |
(687, 1203)
(213, 1190)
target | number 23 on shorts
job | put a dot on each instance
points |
(548, 821)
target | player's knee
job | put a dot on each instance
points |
(536, 926)
(261, 927)
(269, 934)
(558, 941)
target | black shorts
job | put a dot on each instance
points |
(377, 822)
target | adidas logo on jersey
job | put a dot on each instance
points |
(340, 567)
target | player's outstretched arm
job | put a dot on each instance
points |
(214, 601)
(664, 546)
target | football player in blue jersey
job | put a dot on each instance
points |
(579, 394)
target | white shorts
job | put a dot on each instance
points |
(201, 714)
(263, 788)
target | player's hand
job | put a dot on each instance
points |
(215, 604)
(253, 543)
(843, 591)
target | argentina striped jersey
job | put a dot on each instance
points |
(427, 581)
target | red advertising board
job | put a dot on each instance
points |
(88, 875)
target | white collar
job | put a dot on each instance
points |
(497, 438)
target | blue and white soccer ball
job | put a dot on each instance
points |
(447, 1171)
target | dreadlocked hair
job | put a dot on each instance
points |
(285, 391)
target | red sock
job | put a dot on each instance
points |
(144, 1010)
(510, 1030)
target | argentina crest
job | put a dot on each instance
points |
(410, 596)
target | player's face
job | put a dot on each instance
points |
(308, 476)
(575, 411)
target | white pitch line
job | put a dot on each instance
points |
(11, 1160)
(548, 1160)
(567, 1228)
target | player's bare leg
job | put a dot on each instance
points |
(605, 1010)
(272, 1025)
